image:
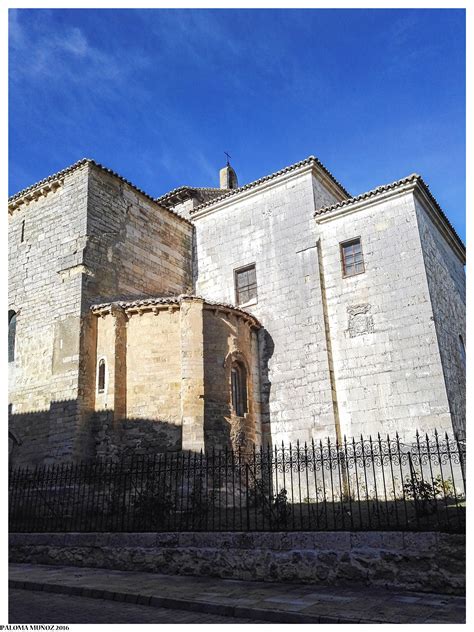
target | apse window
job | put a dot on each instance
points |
(462, 350)
(246, 285)
(11, 335)
(101, 377)
(239, 389)
(351, 257)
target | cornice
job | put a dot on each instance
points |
(413, 183)
(170, 303)
(310, 164)
(351, 206)
(34, 193)
(55, 180)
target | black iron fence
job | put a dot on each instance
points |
(366, 484)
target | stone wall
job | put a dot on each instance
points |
(273, 227)
(387, 371)
(135, 248)
(172, 374)
(44, 289)
(432, 562)
(84, 236)
(447, 286)
(228, 338)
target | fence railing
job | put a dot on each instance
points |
(366, 484)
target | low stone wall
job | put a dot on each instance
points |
(432, 562)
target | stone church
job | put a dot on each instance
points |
(211, 318)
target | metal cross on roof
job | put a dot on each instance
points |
(228, 156)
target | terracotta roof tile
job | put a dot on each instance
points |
(251, 185)
(79, 164)
(414, 177)
(169, 300)
(168, 198)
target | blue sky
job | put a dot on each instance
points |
(159, 95)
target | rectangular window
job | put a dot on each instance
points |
(245, 284)
(351, 257)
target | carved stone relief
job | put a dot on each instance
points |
(360, 321)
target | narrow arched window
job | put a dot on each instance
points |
(462, 349)
(11, 335)
(101, 377)
(239, 389)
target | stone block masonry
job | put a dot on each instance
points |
(46, 242)
(447, 288)
(332, 353)
(273, 228)
(387, 368)
(87, 234)
(429, 562)
(174, 392)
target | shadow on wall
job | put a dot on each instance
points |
(48, 435)
(130, 437)
(222, 428)
(266, 348)
(57, 434)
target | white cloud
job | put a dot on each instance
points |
(39, 51)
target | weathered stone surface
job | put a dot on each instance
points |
(93, 236)
(380, 351)
(416, 565)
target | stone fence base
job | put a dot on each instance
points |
(430, 562)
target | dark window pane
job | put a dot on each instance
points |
(239, 389)
(246, 285)
(101, 379)
(352, 259)
(11, 335)
(242, 278)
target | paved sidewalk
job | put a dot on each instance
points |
(27, 606)
(276, 602)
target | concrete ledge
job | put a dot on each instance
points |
(429, 562)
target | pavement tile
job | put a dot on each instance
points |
(277, 602)
(283, 607)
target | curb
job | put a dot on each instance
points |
(275, 616)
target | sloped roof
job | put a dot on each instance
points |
(170, 300)
(414, 177)
(255, 183)
(185, 192)
(77, 165)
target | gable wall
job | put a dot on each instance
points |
(276, 231)
(387, 368)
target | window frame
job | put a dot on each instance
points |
(346, 275)
(239, 389)
(462, 349)
(101, 363)
(237, 271)
(12, 315)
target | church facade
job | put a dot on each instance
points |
(213, 318)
